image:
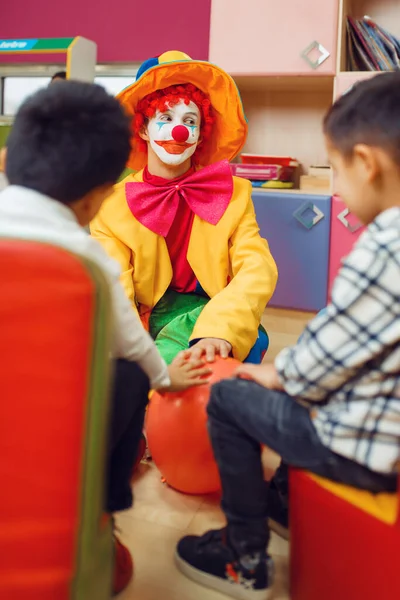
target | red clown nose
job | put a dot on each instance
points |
(180, 133)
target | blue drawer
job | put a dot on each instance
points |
(297, 228)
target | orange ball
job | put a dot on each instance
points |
(177, 435)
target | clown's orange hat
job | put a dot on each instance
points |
(174, 68)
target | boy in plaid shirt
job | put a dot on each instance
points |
(331, 403)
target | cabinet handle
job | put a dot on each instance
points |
(299, 214)
(324, 54)
(342, 218)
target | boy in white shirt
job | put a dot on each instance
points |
(67, 148)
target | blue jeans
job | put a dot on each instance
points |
(128, 407)
(242, 416)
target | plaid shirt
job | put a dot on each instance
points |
(347, 361)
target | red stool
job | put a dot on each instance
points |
(54, 382)
(344, 543)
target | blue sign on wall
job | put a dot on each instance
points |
(15, 45)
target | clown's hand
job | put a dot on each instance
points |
(209, 348)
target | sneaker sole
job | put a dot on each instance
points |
(280, 530)
(221, 585)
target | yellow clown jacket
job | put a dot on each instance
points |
(230, 260)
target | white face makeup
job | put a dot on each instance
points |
(174, 134)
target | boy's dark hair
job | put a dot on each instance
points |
(59, 75)
(67, 140)
(368, 114)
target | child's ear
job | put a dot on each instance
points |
(366, 158)
(3, 159)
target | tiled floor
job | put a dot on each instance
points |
(152, 528)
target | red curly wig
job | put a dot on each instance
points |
(161, 99)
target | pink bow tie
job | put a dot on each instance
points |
(207, 192)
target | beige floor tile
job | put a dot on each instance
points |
(155, 502)
(280, 589)
(156, 577)
(280, 320)
(278, 547)
(284, 328)
(208, 516)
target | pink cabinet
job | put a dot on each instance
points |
(345, 231)
(263, 37)
(344, 81)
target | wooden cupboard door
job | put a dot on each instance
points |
(262, 37)
(345, 231)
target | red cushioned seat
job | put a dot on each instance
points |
(54, 381)
(345, 543)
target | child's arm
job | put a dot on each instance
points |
(234, 314)
(265, 374)
(361, 323)
(185, 372)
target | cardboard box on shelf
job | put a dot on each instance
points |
(320, 171)
(319, 178)
(311, 183)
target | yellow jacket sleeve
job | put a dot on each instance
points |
(234, 314)
(118, 251)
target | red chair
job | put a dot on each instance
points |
(344, 543)
(54, 381)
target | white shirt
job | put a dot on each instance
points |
(3, 181)
(26, 214)
(347, 362)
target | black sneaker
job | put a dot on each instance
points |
(210, 561)
(278, 512)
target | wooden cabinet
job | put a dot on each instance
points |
(344, 232)
(386, 13)
(263, 37)
(297, 229)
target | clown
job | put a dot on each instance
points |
(182, 228)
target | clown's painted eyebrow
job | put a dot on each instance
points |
(170, 110)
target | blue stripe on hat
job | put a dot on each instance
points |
(148, 64)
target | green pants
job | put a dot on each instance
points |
(172, 322)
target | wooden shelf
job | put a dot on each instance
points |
(287, 121)
(385, 12)
(294, 192)
(289, 83)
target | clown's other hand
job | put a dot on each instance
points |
(265, 375)
(209, 348)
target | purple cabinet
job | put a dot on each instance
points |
(297, 228)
